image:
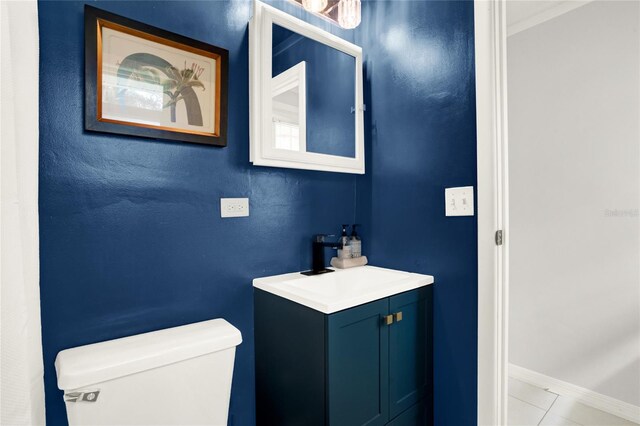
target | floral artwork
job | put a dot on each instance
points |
(159, 83)
(177, 85)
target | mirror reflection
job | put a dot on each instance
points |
(288, 108)
(313, 96)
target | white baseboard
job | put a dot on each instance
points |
(585, 396)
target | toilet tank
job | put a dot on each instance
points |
(176, 376)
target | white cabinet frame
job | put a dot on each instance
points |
(262, 150)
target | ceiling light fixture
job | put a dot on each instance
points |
(315, 6)
(349, 14)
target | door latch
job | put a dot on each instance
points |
(499, 237)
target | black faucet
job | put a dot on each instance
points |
(317, 251)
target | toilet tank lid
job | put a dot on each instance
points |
(99, 362)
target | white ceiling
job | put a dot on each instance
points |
(520, 10)
(523, 14)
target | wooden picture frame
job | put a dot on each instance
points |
(144, 81)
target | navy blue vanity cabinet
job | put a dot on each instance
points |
(358, 365)
(410, 354)
(367, 365)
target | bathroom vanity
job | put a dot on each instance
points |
(352, 347)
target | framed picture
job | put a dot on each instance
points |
(144, 81)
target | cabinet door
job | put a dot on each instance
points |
(358, 366)
(414, 416)
(409, 349)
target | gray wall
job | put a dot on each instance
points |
(575, 182)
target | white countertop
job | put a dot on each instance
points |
(342, 289)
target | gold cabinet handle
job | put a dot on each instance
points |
(387, 319)
(397, 316)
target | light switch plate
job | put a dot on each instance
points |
(234, 207)
(459, 201)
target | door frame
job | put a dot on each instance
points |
(493, 214)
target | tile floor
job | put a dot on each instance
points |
(530, 405)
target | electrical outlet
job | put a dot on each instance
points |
(234, 207)
(459, 201)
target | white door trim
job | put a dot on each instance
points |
(492, 138)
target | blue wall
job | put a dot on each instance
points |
(131, 234)
(420, 100)
(131, 238)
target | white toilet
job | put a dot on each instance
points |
(178, 376)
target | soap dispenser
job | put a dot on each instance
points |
(355, 242)
(345, 251)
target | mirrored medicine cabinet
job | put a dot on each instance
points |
(306, 95)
